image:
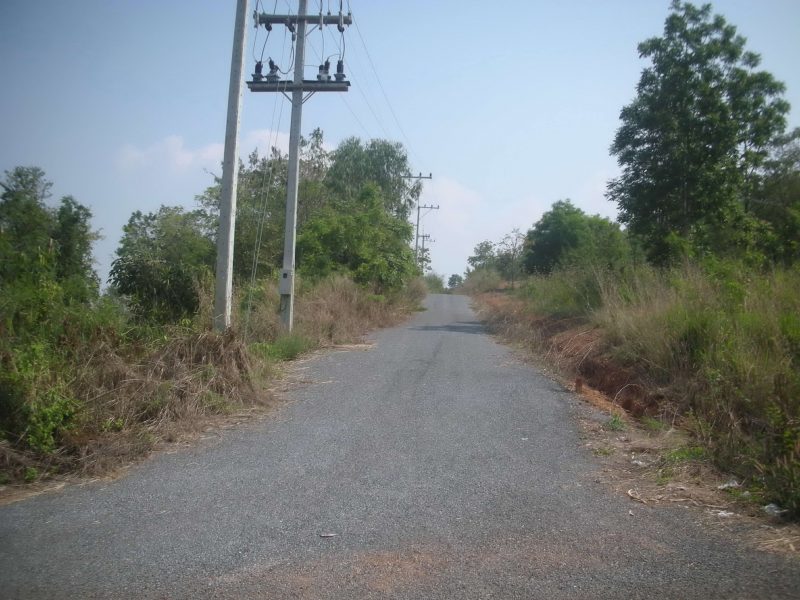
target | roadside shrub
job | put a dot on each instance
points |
(566, 292)
(435, 283)
(482, 280)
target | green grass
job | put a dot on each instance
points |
(653, 425)
(685, 454)
(287, 347)
(615, 423)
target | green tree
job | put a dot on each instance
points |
(693, 143)
(159, 260)
(381, 162)
(27, 249)
(358, 236)
(777, 201)
(565, 235)
(260, 213)
(455, 281)
(509, 255)
(483, 256)
(561, 229)
(40, 243)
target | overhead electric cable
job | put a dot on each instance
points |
(380, 85)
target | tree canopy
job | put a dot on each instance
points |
(694, 142)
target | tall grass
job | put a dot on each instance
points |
(85, 387)
(727, 343)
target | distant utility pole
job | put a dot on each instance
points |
(416, 230)
(273, 83)
(417, 236)
(423, 237)
(230, 168)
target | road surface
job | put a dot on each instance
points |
(431, 464)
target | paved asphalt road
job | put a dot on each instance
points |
(443, 467)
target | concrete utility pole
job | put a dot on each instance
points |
(417, 236)
(416, 230)
(297, 87)
(230, 169)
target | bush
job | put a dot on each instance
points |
(434, 283)
(566, 292)
(482, 280)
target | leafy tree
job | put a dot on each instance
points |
(260, 213)
(381, 162)
(159, 260)
(693, 143)
(455, 281)
(434, 283)
(74, 237)
(565, 235)
(39, 243)
(561, 229)
(777, 201)
(509, 255)
(26, 246)
(358, 236)
(483, 256)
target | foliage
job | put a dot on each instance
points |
(566, 236)
(358, 237)
(483, 256)
(39, 244)
(694, 141)
(777, 201)
(572, 291)
(435, 283)
(455, 281)
(160, 259)
(482, 280)
(260, 214)
(380, 162)
(509, 253)
(725, 340)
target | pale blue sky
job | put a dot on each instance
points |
(511, 105)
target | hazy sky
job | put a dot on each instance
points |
(511, 105)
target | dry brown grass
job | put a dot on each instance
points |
(132, 393)
(130, 398)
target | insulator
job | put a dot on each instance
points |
(340, 26)
(259, 67)
(339, 75)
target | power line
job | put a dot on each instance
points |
(366, 100)
(380, 85)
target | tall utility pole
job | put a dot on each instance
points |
(323, 83)
(230, 169)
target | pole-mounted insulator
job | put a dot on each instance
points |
(273, 76)
(324, 71)
(257, 76)
(339, 70)
(340, 26)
